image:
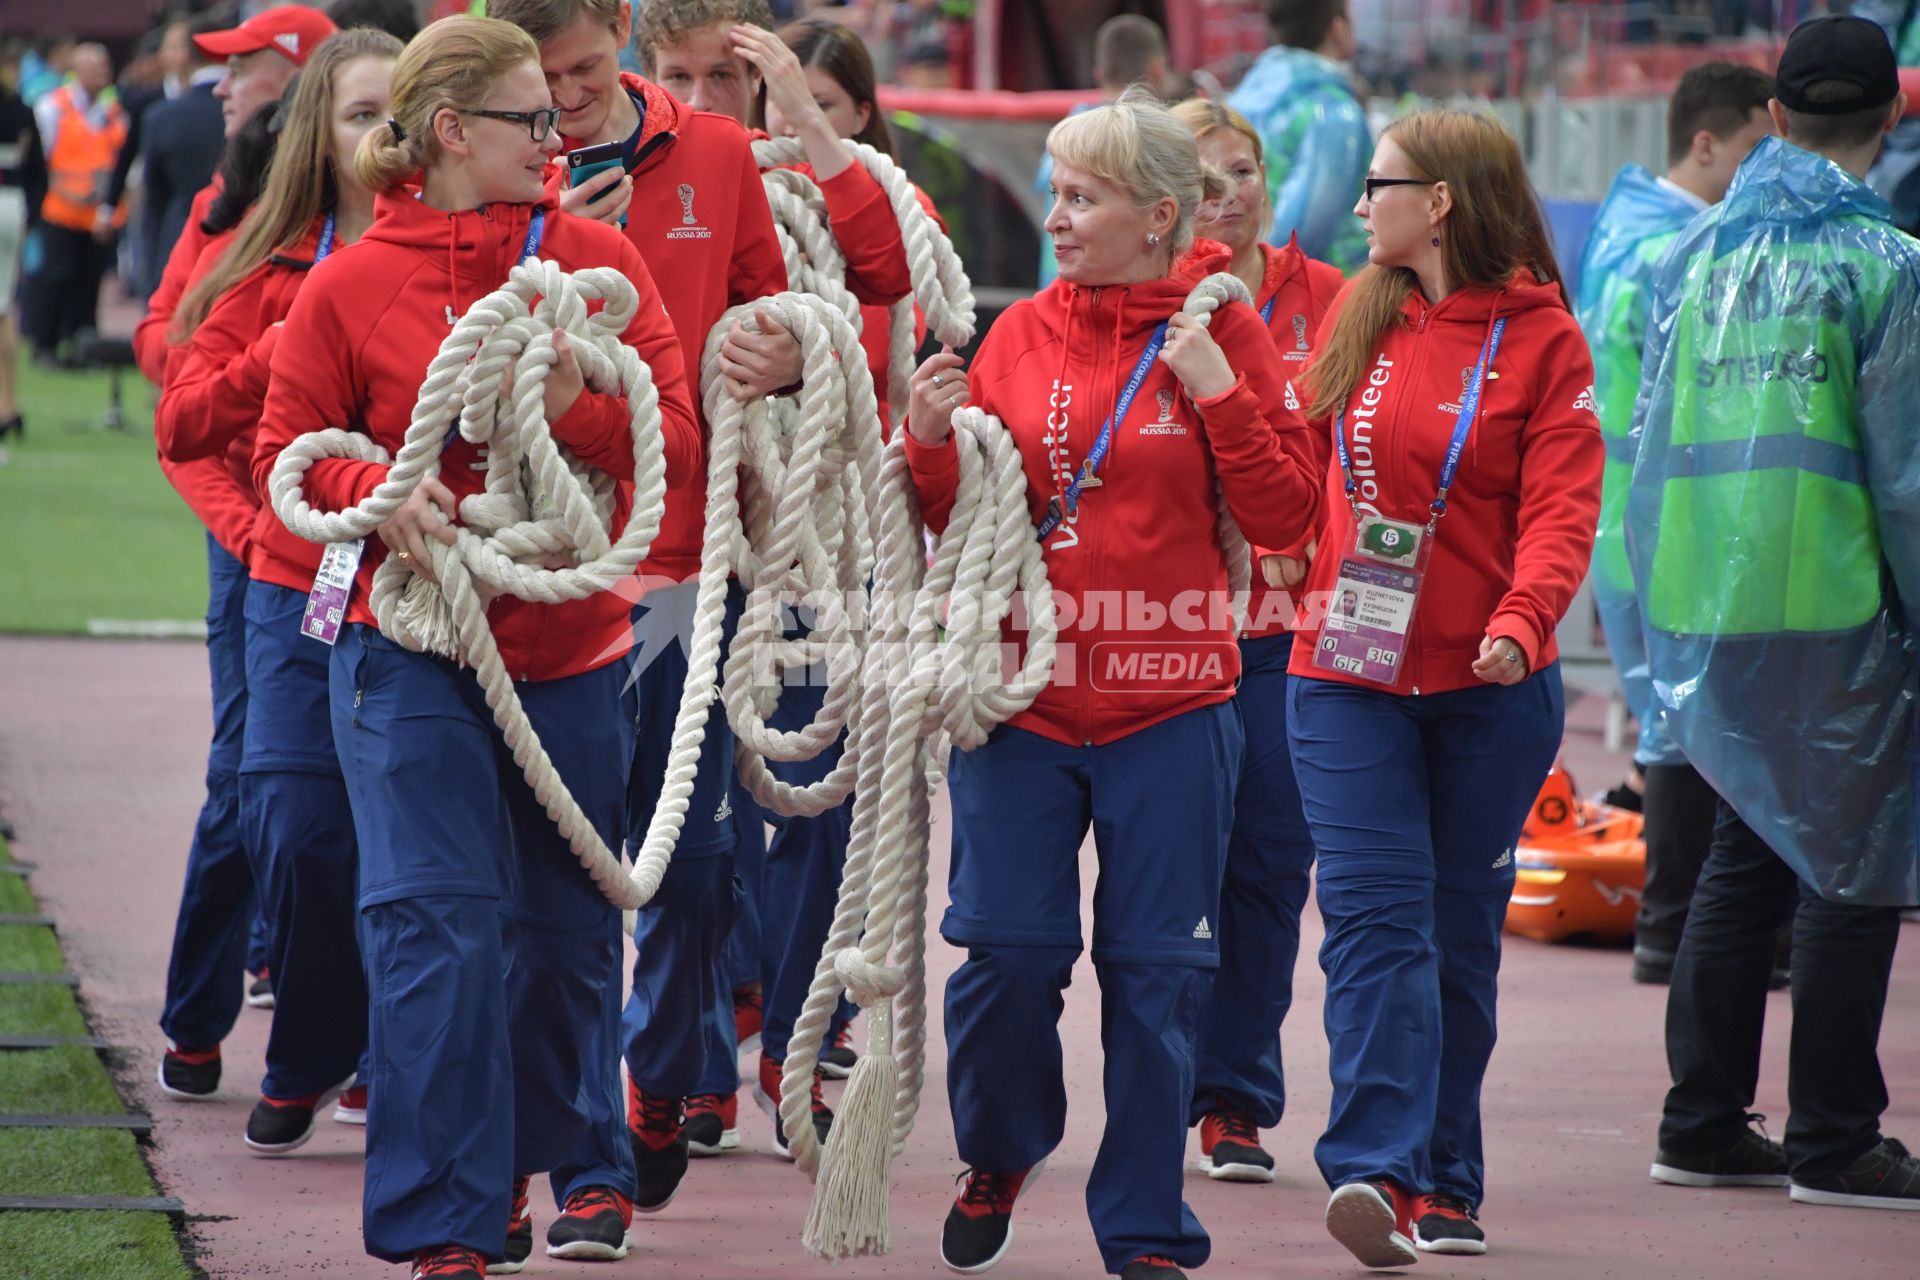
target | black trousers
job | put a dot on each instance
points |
(1716, 1008)
(63, 296)
(1680, 810)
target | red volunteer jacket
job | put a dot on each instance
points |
(700, 221)
(150, 335)
(357, 342)
(1301, 290)
(213, 398)
(1513, 546)
(1141, 563)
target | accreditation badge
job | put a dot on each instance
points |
(1371, 613)
(332, 587)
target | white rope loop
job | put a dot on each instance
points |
(1208, 297)
(538, 502)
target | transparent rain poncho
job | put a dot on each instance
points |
(1314, 139)
(1637, 222)
(1773, 520)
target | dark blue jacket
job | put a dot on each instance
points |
(182, 139)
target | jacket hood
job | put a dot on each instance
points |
(1480, 305)
(1638, 207)
(472, 250)
(1078, 311)
(1286, 70)
(663, 116)
(1779, 182)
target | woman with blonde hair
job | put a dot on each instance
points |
(1239, 1087)
(493, 962)
(1452, 388)
(1136, 736)
(294, 811)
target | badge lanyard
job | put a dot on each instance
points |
(1266, 312)
(333, 584)
(1370, 617)
(1060, 506)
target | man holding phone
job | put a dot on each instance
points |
(685, 189)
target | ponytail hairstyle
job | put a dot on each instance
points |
(243, 166)
(1494, 229)
(839, 51)
(450, 66)
(300, 183)
(1141, 147)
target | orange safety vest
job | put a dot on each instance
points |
(81, 164)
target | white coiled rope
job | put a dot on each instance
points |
(540, 501)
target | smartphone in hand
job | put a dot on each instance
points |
(586, 162)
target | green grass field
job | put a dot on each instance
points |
(89, 528)
(66, 1246)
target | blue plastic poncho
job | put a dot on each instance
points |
(1773, 520)
(1636, 224)
(1314, 139)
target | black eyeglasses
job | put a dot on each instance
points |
(539, 123)
(1374, 184)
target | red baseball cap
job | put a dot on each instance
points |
(293, 31)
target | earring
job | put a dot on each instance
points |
(1436, 242)
(1153, 239)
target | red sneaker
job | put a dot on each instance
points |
(1230, 1148)
(979, 1228)
(657, 1127)
(1444, 1223)
(1152, 1266)
(352, 1107)
(749, 1012)
(190, 1075)
(1374, 1220)
(713, 1123)
(767, 1095)
(449, 1262)
(595, 1224)
(838, 1059)
(519, 1231)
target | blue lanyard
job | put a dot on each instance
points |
(326, 238)
(1469, 409)
(1058, 511)
(1266, 312)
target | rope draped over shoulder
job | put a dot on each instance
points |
(539, 502)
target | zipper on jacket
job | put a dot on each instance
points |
(1403, 461)
(1087, 522)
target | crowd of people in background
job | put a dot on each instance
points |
(1409, 416)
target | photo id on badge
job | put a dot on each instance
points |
(332, 588)
(1371, 613)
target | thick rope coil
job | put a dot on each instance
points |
(539, 501)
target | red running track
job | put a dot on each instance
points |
(102, 748)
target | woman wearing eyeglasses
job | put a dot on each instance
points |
(1452, 388)
(493, 962)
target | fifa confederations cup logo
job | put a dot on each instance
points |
(1299, 333)
(1166, 406)
(686, 204)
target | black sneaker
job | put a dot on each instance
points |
(1444, 1223)
(1752, 1160)
(260, 991)
(280, 1125)
(519, 1232)
(979, 1227)
(838, 1059)
(766, 1095)
(449, 1262)
(1152, 1267)
(593, 1226)
(713, 1123)
(190, 1075)
(657, 1127)
(1230, 1148)
(1884, 1178)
